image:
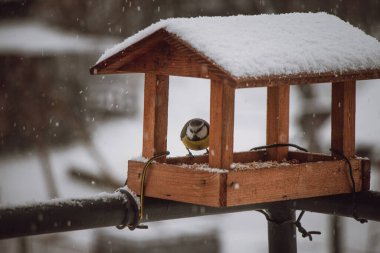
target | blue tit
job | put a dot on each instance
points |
(194, 135)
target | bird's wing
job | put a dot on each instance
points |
(183, 132)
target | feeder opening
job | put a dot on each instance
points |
(250, 110)
(188, 99)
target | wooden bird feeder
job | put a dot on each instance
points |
(241, 177)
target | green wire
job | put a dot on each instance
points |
(145, 170)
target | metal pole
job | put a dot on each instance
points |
(111, 209)
(336, 241)
(99, 211)
(281, 231)
(60, 216)
(367, 205)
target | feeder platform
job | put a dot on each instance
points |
(251, 180)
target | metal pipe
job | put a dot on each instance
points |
(336, 238)
(158, 209)
(367, 205)
(62, 215)
(281, 231)
(111, 209)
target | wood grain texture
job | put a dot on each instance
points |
(168, 60)
(163, 53)
(277, 121)
(240, 187)
(199, 159)
(291, 182)
(112, 64)
(306, 78)
(343, 117)
(156, 95)
(171, 182)
(221, 124)
(250, 156)
(366, 172)
(238, 157)
(304, 157)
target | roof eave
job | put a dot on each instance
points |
(107, 66)
(307, 78)
(114, 63)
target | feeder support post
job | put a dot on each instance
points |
(156, 96)
(278, 121)
(343, 117)
(221, 124)
(281, 231)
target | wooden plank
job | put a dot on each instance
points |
(291, 182)
(238, 157)
(250, 156)
(167, 60)
(112, 64)
(308, 156)
(253, 156)
(162, 53)
(306, 78)
(223, 189)
(366, 173)
(240, 187)
(171, 182)
(156, 94)
(343, 117)
(221, 124)
(302, 157)
(199, 159)
(277, 121)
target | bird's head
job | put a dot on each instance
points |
(197, 129)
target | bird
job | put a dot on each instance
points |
(194, 135)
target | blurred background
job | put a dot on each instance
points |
(65, 133)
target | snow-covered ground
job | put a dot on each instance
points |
(21, 178)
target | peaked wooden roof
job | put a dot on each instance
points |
(164, 52)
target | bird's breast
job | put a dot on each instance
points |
(195, 145)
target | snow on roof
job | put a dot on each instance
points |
(260, 45)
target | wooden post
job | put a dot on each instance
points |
(156, 94)
(221, 124)
(343, 117)
(278, 121)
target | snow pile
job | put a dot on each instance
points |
(58, 202)
(258, 165)
(140, 158)
(133, 194)
(203, 167)
(238, 166)
(260, 45)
